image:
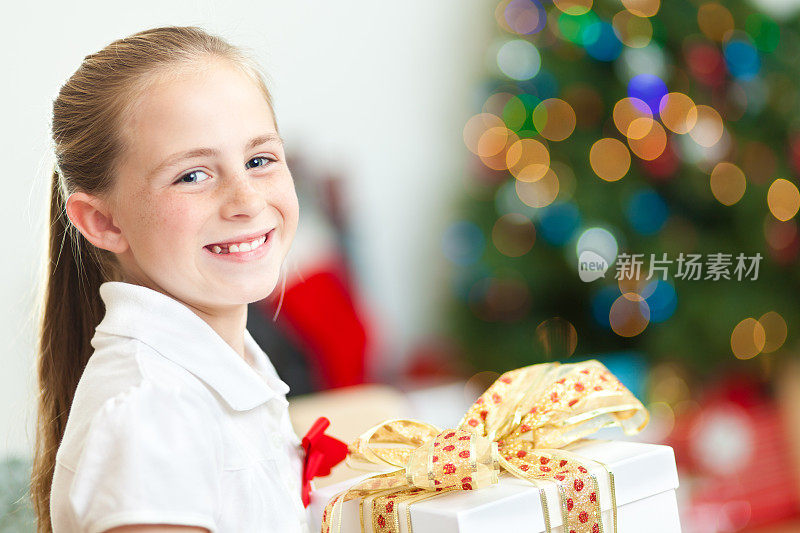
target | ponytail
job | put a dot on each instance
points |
(71, 311)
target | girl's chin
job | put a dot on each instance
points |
(250, 288)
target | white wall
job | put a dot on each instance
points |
(380, 88)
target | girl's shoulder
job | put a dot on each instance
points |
(127, 387)
(150, 453)
(119, 362)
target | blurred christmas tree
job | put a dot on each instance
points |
(610, 129)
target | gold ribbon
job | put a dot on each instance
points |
(520, 423)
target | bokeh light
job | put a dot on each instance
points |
(500, 15)
(635, 32)
(476, 127)
(601, 41)
(647, 212)
(601, 304)
(544, 85)
(783, 199)
(514, 113)
(758, 162)
(525, 16)
(742, 59)
(566, 180)
(650, 59)
(539, 193)
(779, 235)
(764, 32)
(572, 27)
(715, 21)
(519, 59)
(493, 141)
(528, 160)
(628, 110)
(506, 201)
(650, 145)
(648, 88)
(554, 119)
(629, 315)
(666, 383)
(513, 234)
(662, 301)
(748, 338)
(610, 159)
(706, 63)
(573, 7)
(662, 421)
(775, 331)
(636, 286)
(558, 222)
(463, 243)
(728, 183)
(642, 8)
(707, 131)
(783, 239)
(600, 241)
(557, 337)
(500, 299)
(497, 161)
(663, 167)
(508, 298)
(496, 102)
(678, 112)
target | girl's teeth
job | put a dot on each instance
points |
(241, 247)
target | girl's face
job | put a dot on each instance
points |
(205, 166)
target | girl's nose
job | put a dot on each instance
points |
(241, 197)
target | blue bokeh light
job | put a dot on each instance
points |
(662, 301)
(558, 222)
(742, 59)
(602, 301)
(544, 85)
(648, 88)
(601, 42)
(647, 212)
(463, 243)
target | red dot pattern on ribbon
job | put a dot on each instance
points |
(572, 476)
(452, 460)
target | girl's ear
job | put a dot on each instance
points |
(94, 220)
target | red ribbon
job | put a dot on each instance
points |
(322, 452)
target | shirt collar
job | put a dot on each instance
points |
(177, 333)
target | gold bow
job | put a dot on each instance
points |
(520, 423)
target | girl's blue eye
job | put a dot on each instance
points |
(188, 174)
(180, 180)
(264, 158)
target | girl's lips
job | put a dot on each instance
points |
(242, 257)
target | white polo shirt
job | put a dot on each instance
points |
(170, 425)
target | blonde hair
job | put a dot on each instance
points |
(87, 122)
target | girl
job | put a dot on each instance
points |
(157, 409)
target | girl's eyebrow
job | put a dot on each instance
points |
(209, 152)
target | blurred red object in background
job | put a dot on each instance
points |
(735, 459)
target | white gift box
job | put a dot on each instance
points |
(645, 478)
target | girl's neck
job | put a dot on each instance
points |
(228, 321)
